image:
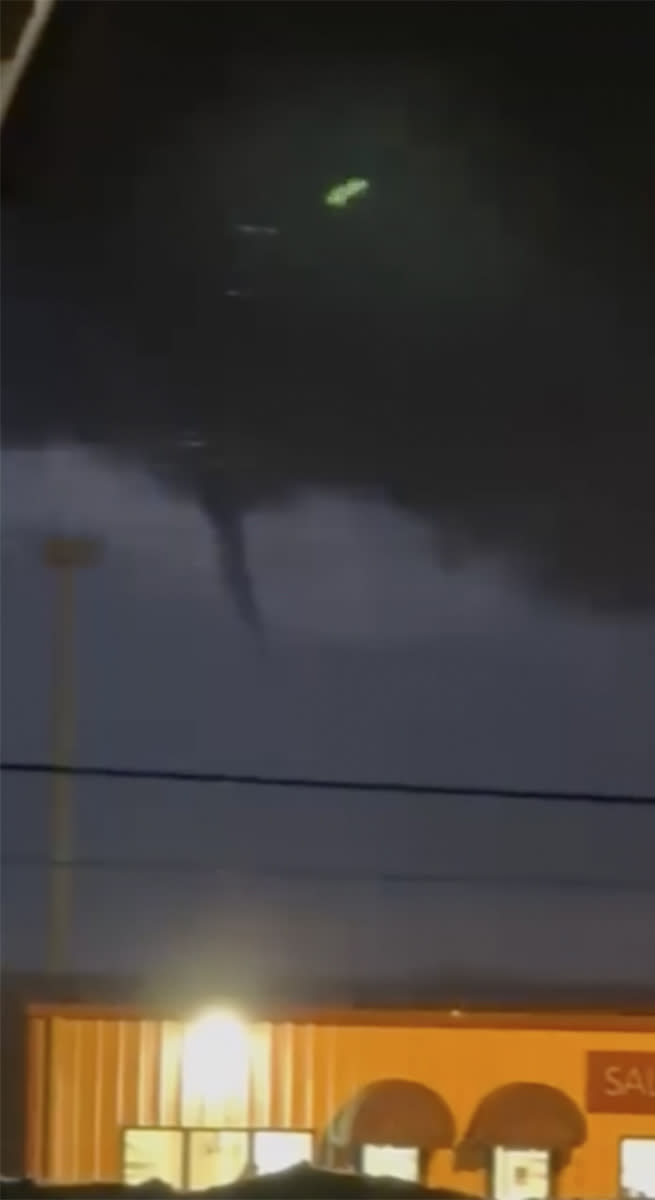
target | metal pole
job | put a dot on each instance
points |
(63, 747)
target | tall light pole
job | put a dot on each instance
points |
(63, 556)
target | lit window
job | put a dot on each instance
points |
(216, 1156)
(392, 1162)
(637, 1168)
(152, 1154)
(275, 1150)
(521, 1174)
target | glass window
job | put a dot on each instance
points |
(275, 1150)
(637, 1168)
(217, 1156)
(153, 1154)
(393, 1162)
(521, 1174)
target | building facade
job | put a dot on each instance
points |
(513, 1105)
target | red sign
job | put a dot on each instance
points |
(621, 1082)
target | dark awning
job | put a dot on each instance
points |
(394, 1112)
(527, 1116)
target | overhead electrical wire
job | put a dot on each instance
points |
(287, 874)
(262, 871)
(312, 783)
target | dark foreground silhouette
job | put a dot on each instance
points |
(302, 1181)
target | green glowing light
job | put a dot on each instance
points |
(341, 195)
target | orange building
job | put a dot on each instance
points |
(514, 1105)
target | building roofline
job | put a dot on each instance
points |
(507, 1001)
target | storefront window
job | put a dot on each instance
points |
(637, 1168)
(394, 1162)
(277, 1150)
(521, 1174)
(153, 1154)
(214, 1157)
(217, 1156)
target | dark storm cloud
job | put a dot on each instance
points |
(470, 341)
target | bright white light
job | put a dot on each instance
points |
(216, 1059)
(277, 1150)
(391, 1162)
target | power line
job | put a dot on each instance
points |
(289, 874)
(309, 783)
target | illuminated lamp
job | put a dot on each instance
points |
(216, 1056)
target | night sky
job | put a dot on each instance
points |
(375, 485)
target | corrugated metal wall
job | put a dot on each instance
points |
(92, 1073)
(88, 1077)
